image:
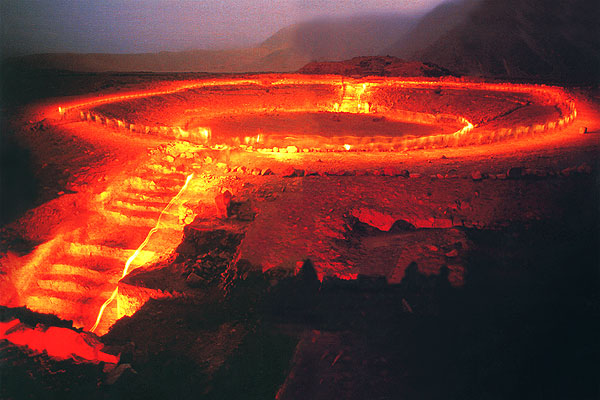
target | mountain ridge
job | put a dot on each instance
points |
(547, 40)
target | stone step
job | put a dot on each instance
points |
(49, 295)
(168, 221)
(63, 286)
(72, 271)
(91, 250)
(129, 221)
(65, 305)
(90, 280)
(151, 197)
(98, 263)
(151, 214)
(154, 184)
(152, 206)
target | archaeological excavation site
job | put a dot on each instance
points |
(364, 229)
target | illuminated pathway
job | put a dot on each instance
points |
(138, 251)
(75, 272)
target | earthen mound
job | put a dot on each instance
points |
(379, 66)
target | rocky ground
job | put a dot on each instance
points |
(448, 273)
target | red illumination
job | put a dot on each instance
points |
(61, 343)
(75, 270)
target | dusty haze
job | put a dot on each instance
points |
(122, 26)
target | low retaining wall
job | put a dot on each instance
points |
(354, 98)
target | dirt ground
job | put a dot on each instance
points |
(453, 272)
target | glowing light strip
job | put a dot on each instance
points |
(139, 249)
(178, 86)
(541, 91)
(106, 303)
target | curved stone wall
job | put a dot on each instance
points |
(380, 97)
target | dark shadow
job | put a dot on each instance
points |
(19, 188)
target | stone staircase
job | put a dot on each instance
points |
(72, 275)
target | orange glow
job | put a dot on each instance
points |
(139, 249)
(354, 96)
(75, 270)
(61, 343)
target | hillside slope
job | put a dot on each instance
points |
(334, 39)
(547, 39)
(431, 27)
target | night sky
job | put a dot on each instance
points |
(136, 26)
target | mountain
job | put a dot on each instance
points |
(555, 40)
(335, 39)
(431, 27)
(377, 65)
(287, 50)
(539, 39)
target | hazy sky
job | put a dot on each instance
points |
(130, 26)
